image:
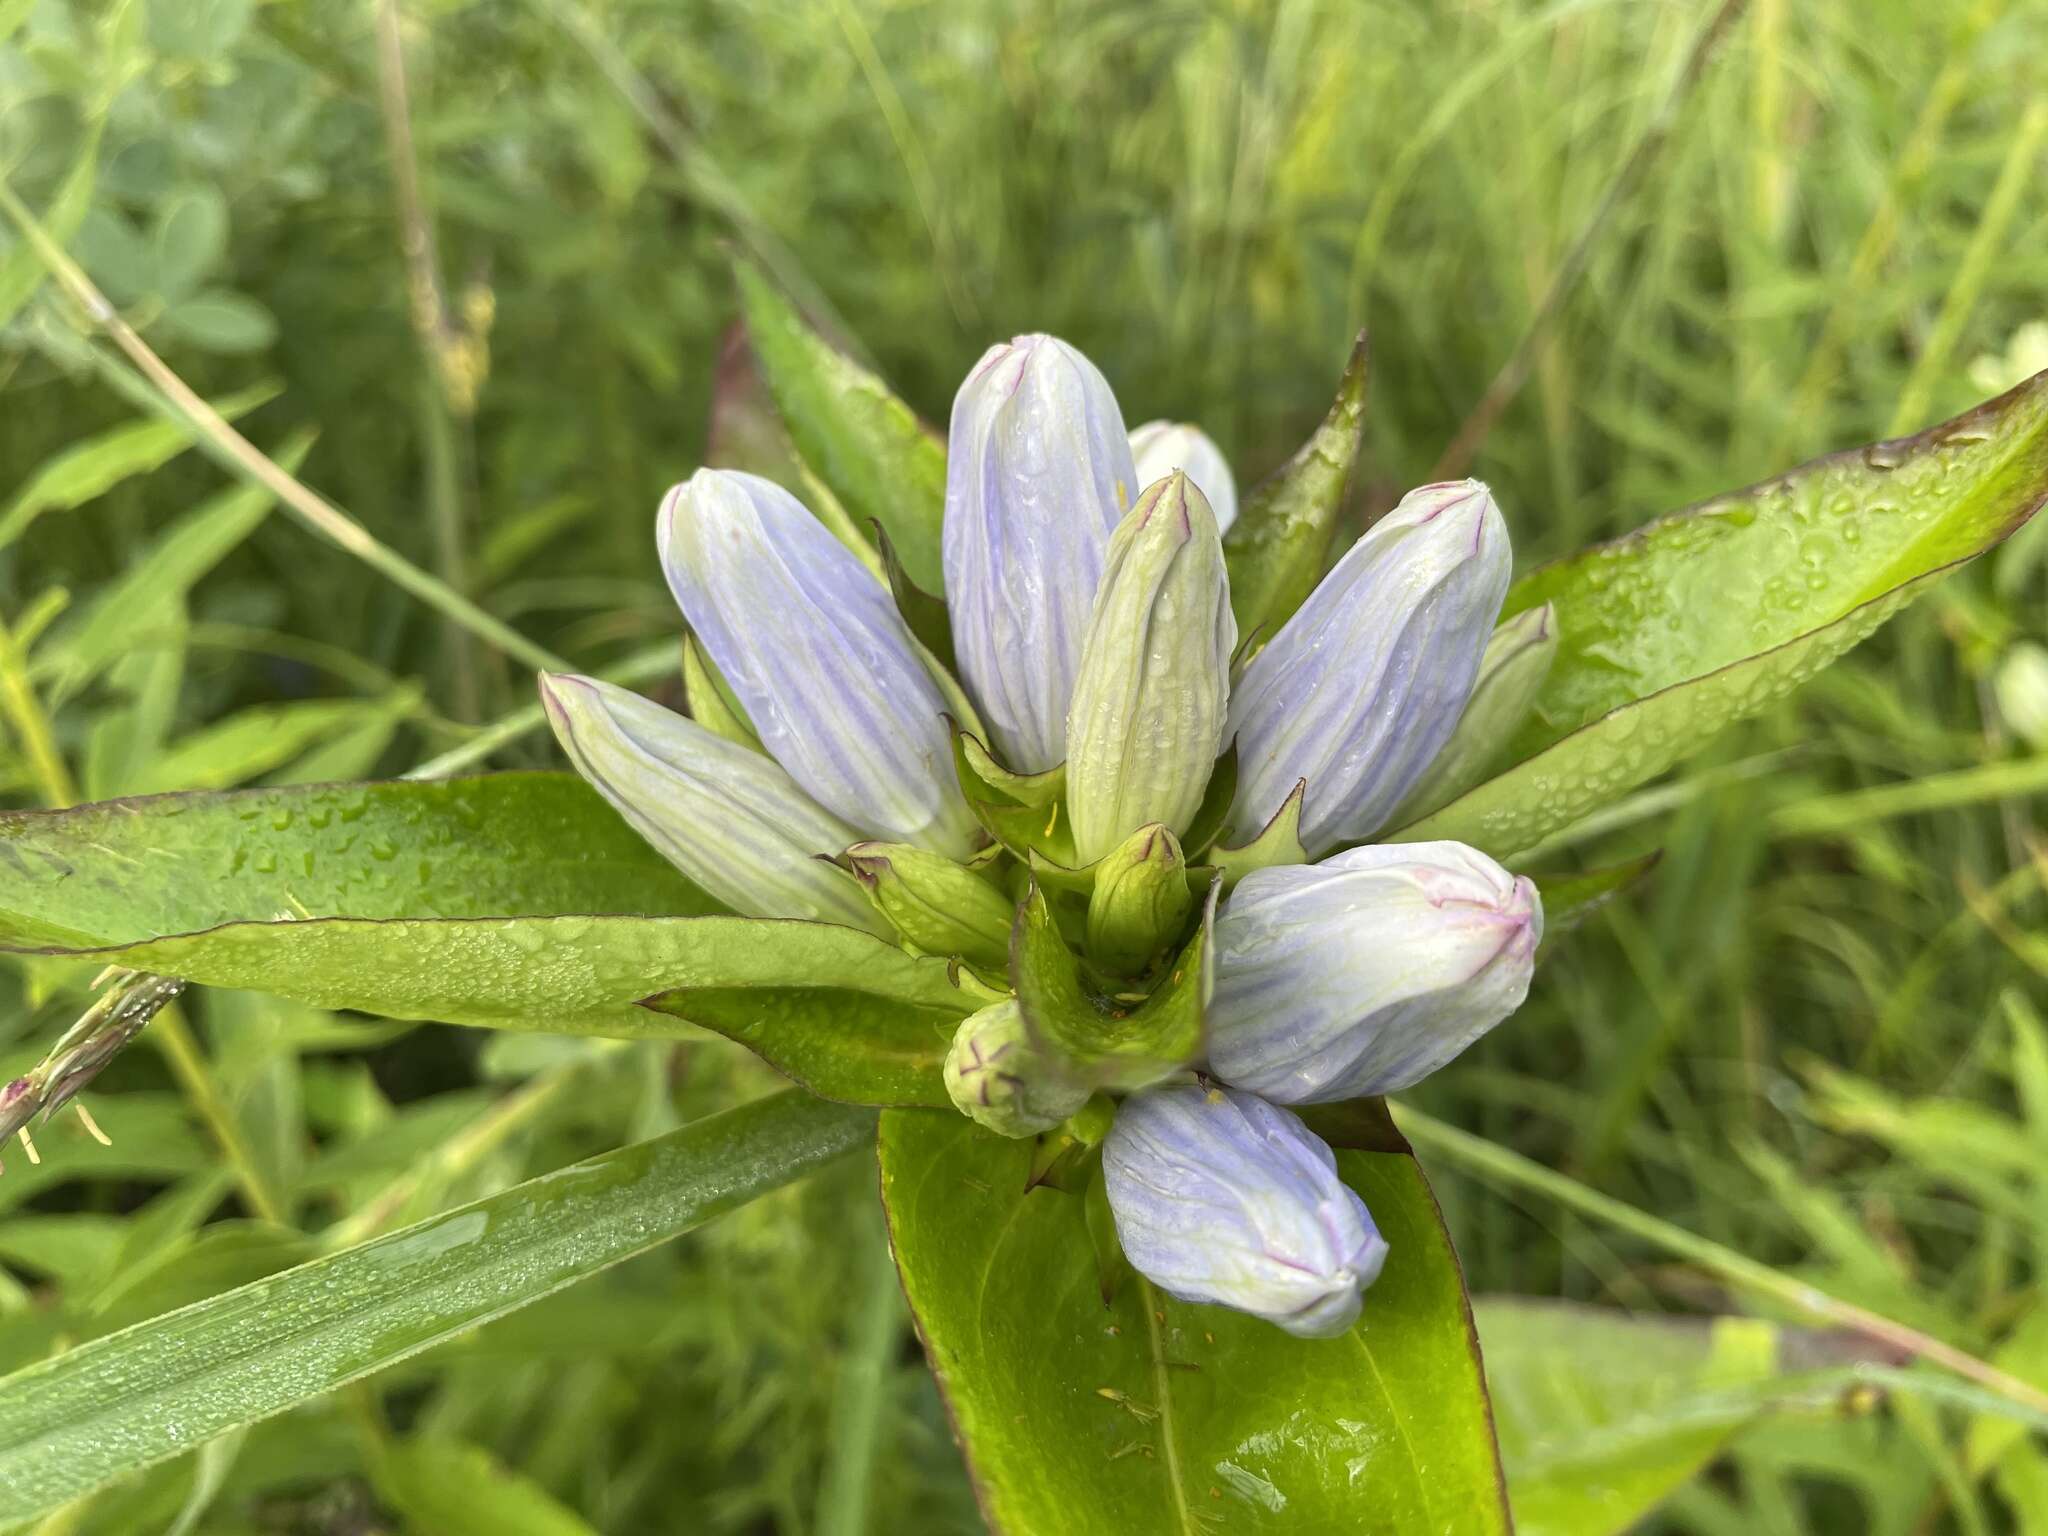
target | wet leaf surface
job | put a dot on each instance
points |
(1141, 1414)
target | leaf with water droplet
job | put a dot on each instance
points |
(1707, 615)
(1140, 1415)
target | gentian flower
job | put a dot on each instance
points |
(1362, 687)
(1038, 474)
(1219, 1196)
(1158, 448)
(1093, 629)
(819, 657)
(730, 819)
(1365, 973)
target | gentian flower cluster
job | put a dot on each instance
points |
(1098, 659)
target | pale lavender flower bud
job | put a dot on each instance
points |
(1511, 674)
(1158, 448)
(1221, 1197)
(723, 814)
(815, 650)
(1365, 973)
(1363, 686)
(1146, 720)
(1038, 473)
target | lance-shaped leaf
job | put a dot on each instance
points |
(511, 900)
(1140, 1415)
(76, 1422)
(1707, 615)
(568, 975)
(861, 440)
(506, 844)
(1279, 545)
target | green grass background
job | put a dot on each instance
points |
(1815, 1036)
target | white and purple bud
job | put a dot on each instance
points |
(1002, 1081)
(1221, 1197)
(1038, 474)
(726, 816)
(817, 654)
(1146, 721)
(1158, 448)
(1367, 972)
(1511, 674)
(1363, 686)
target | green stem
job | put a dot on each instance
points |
(195, 1075)
(226, 446)
(25, 713)
(860, 1405)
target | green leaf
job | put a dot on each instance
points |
(1279, 546)
(76, 1422)
(162, 574)
(251, 742)
(863, 442)
(509, 844)
(22, 270)
(571, 975)
(710, 701)
(450, 1487)
(221, 321)
(188, 238)
(91, 468)
(1144, 1414)
(1704, 617)
(855, 1047)
(1603, 1415)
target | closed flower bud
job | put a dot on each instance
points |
(2022, 690)
(1367, 972)
(1140, 901)
(1363, 686)
(1146, 721)
(1158, 448)
(937, 905)
(1511, 674)
(814, 649)
(1221, 1197)
(726, 816)
(1000, 1080)
(1038, 472)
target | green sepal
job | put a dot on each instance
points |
(941, 907)
(1022, 827)
(924, 613)
(1278, 548)
(1278, 842)
(1023, 788)
(710, 699)
(1106, 1041)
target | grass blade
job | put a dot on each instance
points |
(75, 1422)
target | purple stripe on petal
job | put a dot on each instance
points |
(1363, 686)
(815, 650)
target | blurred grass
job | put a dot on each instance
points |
(1816, 1037)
